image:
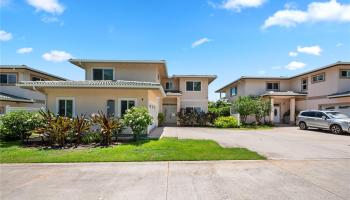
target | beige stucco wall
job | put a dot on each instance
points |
(147, 72)
(194, 98)
(89, 100)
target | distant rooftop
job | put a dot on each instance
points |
(30, 69)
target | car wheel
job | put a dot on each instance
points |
(302, 126)
(336, 129)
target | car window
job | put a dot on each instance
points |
(337, 115)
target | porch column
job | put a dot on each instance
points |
(292, 110)
(272, 110)
(177, 108)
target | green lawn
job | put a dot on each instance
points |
(165, 149)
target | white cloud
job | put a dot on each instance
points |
(24, 50)
(238, 5)
(5, 36)
(339, 44)
(56, 56)
(50, 6)
(293, 54)
(295, 65)
(313, 50)
(200, 42)
(316, 12)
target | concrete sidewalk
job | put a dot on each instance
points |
(317, 179)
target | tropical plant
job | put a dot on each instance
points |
(138, 119)
(107, 124)
(18, 125)
(161, 119)
(219, 108)
(195, 118)
(226, 122)
(244, 105)
(80, 125)
(261, 108)
(91, 137)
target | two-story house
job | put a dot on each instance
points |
(14, 96)
(327, 87)
(113, 86)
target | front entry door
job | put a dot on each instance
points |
(276, 114)
(170, 114)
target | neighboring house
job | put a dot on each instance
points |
(323, 88)
(113, 86)
(14, 96)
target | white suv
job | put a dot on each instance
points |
(334, 121)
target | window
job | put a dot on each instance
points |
(125, 105)
(193, 109)
(318, 78)
(37, 79)
(169, 85)
(193, 86)
(233, 91)
(110, 107)
(102, 74)
(304, 84)
(273, 86)
(308, 114)
(8, 78)
(345, 73)
(65, 107)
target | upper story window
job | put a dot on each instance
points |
(169, 85)
(233, 91)
(345, 73)
(193, 86)
(318, 78)
(304, 84)
(102, 74)
(34, 78)
(273, 86)
(8, 78)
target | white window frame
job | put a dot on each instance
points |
(120, 104)
(317, 75)
(92, 72)
(231, 95)
(65, 98)
(193, 86)
(194, 107)
(7, 75)
(278, 89)
(172, 85)
(302, 84)
(347, 73)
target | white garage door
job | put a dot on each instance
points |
(343, 108)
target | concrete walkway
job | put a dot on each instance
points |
(312, 180)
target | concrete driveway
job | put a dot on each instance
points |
(304, 165)
(277, 143)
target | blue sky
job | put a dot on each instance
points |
(228, 38)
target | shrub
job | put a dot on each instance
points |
(244, 105)
(108, 125)
(161, 119)
(80, 125)
(138, 119)
(19, 125)
(91, 137)
(219, 108)
(195, 119)
(226, 122)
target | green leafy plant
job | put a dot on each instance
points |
(19, 125)
(161, 119)
(226, 122)
(91, 137)
(244, 105)
(194, 118)
(138, 119)
(219, 108)
(108, 125)
(80, 125)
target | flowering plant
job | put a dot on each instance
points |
(138, 119)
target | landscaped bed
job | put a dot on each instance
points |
(165, 149)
